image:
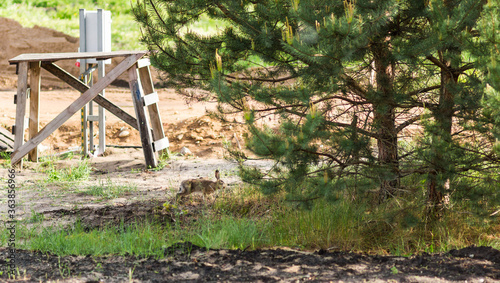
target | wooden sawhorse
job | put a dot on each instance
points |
(152, 137)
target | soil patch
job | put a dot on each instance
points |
(187, 262)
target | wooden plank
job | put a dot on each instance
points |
(22, 86)
(51, 57)
(161, 144)
(81, 87)
(154, 111)
(34, 68)
(142, 119)
(4, 146)
(87, 96)
(7, 135)
(6, 138)
(151, 98)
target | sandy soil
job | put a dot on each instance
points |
(186, 125)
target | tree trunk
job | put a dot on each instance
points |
(441, 137)
(387, 154)
(385, 121)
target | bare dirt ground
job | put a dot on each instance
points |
(185, 262)
(186, 125)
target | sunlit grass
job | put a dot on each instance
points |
(343, 225)
(108, 189)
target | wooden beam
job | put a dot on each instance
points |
(82, 87)
(34, 68)
(154, 111)
(142, 119)
(22, 86)
(87, 96)
(51, 57)
(7, 138)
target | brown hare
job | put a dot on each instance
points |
(200, 185)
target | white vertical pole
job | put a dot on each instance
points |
(83, 66)
(101, 74)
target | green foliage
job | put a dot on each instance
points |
(346, 79)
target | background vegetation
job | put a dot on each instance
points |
(63, 15)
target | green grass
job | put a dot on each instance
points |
(71, 175)
(324, 226)
(141, 239)
(230, 232)
(4, 159)
(341, 226)
(108, 189)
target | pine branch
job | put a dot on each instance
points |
(465, 68)
(323, 154)
(336, 124)
(437, 62)
(423, 90)
(262, 80)
(353, 85)
(233, 18)
(157, 13)
(408, 122)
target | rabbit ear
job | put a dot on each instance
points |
(217, 175)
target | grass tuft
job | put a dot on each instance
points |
(108, 190)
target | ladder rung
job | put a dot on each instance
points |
(143, 63)
(151, 98)
(93, 118)
(160, 144)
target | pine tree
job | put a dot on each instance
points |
(452, 47)
(344, 77)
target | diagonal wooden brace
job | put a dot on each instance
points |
(21, 150)
(82, 87)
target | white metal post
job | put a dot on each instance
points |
(94, 36)
(101, 74)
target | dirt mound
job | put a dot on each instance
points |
(204, 136)
(17, 40)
